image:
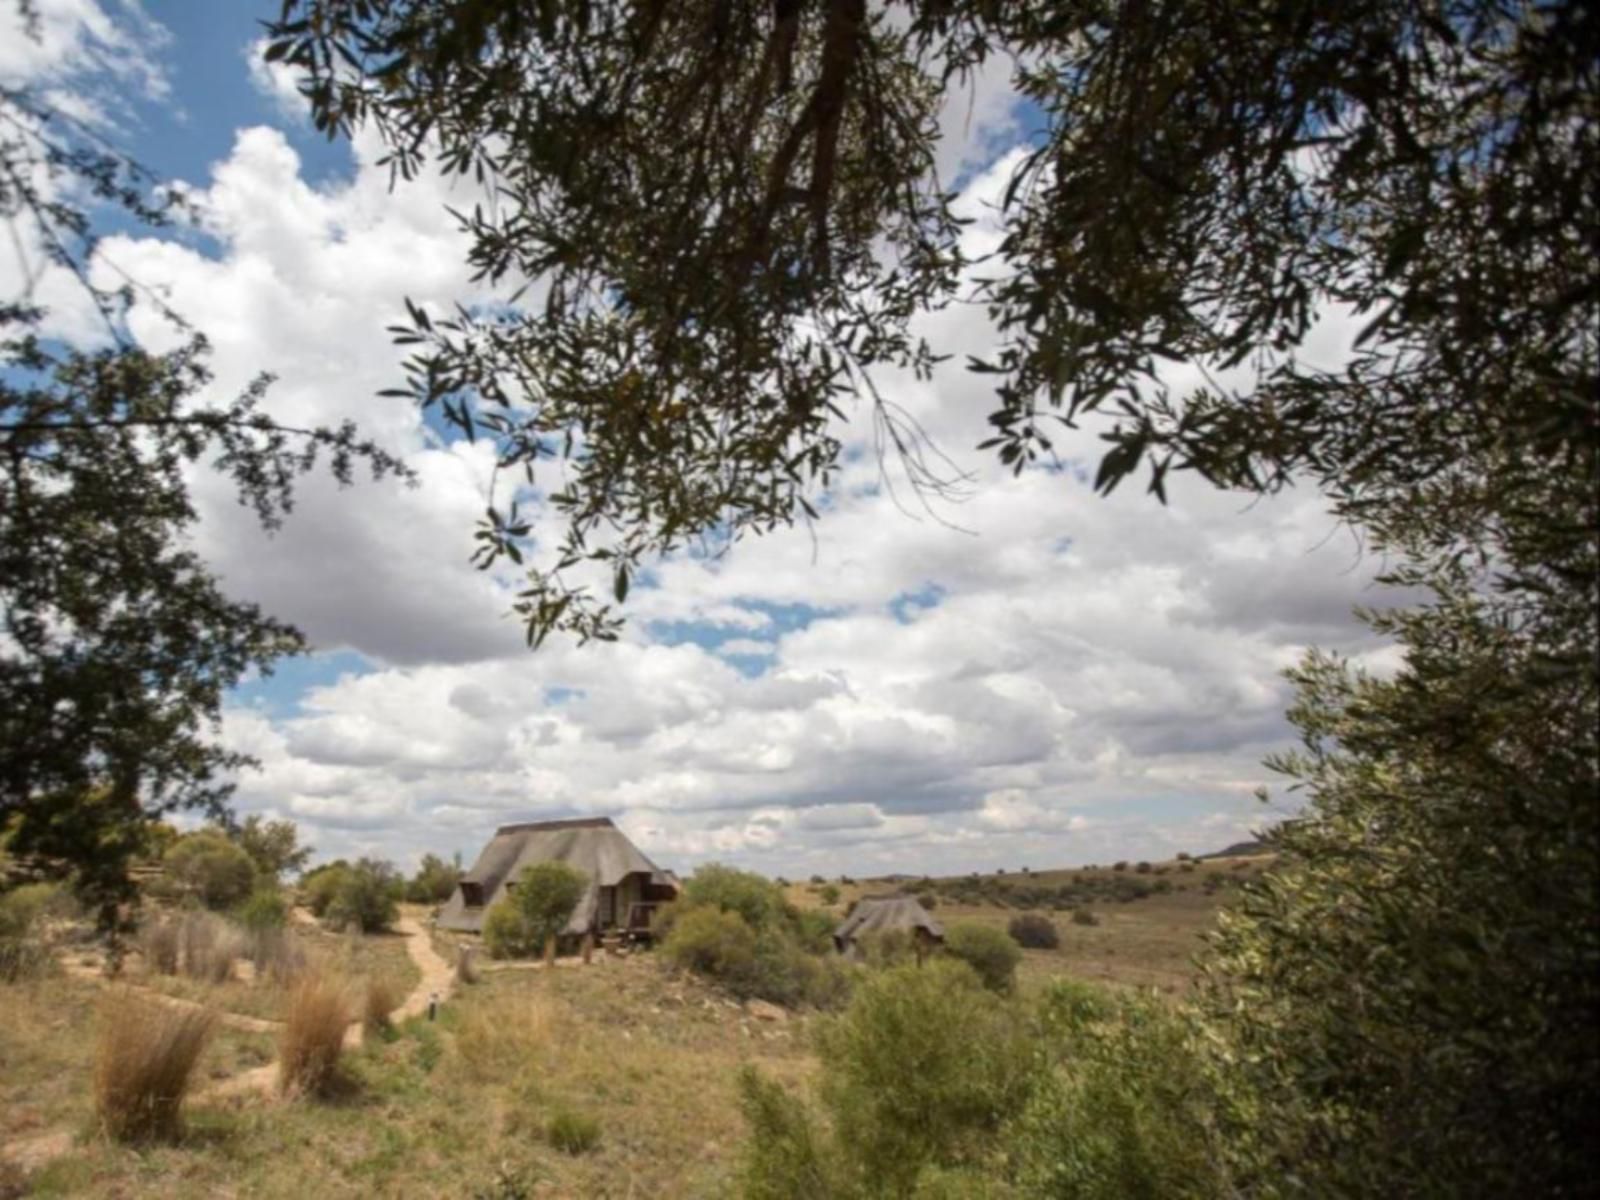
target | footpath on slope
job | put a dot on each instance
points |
(438, 980)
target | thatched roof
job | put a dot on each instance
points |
(592, 844)
(881, 914)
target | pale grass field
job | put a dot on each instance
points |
(451, 1108)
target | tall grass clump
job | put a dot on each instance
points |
(145, 1064)
(379, 1000)
(209, 945)
(24, 950)
(161, 943)
(274, 956)
(315, 1019)
(572, 1132)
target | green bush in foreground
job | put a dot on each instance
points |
(1125, 1110)
(990, 953)
(265, 908)
(536, 909)
(919, 1075)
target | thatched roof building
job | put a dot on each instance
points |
(624, 890)
(883, 914)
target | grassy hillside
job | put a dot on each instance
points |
(614, 1079)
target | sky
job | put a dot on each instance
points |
(1033, 676)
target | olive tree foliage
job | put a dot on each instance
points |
(718, 220)
(118, 645)
(1413, 990)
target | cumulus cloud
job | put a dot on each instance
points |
(1035, 676)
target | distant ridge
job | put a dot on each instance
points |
(1241, 849)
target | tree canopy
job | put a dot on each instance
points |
(716, 221)
(119, 644)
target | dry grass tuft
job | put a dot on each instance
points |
(466, 969)
(209, 945)
(146, 1061)
(161, 944)
(317, 1012)
(275, 957)
(379, 1002)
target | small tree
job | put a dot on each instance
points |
(366, 897)
(1033, 930)
(537, 908)
(274, 846)
(434, 881)
(212, 868)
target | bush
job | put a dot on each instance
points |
(929, 900)
(712, 942)
(434, 881)
(572, 1132)
(1125, 1109)
(829, 894)
(320, 887)
(920, 1072)
(537, 908)
(813, 930)
(265, 909)
(1119, 866)
(990, 953)
(1034, 931)
(365, 897)
(757, 899)
(144, 1066)
(313, 1036)
(209, 867)
(1084, 916)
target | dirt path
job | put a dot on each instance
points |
(438, 980)
(438, 977)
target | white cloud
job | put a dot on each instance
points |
(1062, 678)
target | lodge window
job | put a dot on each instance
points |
(472, 894)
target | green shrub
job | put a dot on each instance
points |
(712, 942)
(365, 898)
(757, 899)
(921, 1070)
(812, 929)
(1125, 1108)
(829, 893)
(211, 868)
(537, 908)
(928, 899)
(264, 909)
(572, 1132)
(319, 887)
(990, 953)
(434, 881)
(1084, 916)
(1034, 931)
